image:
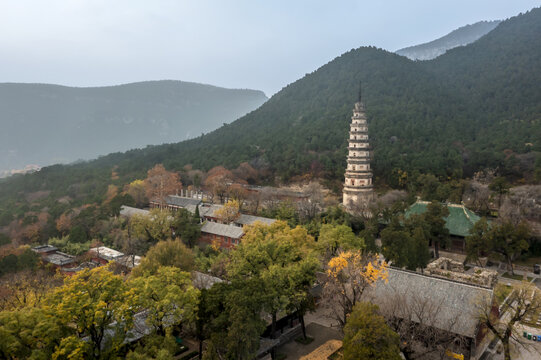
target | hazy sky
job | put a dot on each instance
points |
(258, 44)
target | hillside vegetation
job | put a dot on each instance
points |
(476, 106)
(47, 124)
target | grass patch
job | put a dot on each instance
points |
(304, 341)
(529, 261)
(529, 278)
(337, 355)
(511, 276)
(466, 267)
(280, 356)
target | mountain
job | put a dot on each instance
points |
(462, 36)
(474, 107)
(47, 124)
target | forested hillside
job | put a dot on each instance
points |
(462, 36)
(46, 124)
(474, 107)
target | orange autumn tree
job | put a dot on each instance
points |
(160, 183)
(349, 274)
(218, 182)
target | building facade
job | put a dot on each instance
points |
(358, 189)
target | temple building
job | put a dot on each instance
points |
(358, 188)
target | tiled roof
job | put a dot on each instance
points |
(209, 209)
(106, 253)
(454, 304)
(129, 211)
(181, 201)
(460, 219)
(204, 281)
(251, 219)
(60, 258)
(230, 231)
(44, 249)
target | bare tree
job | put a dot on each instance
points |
(525, 303)
(310, 205)
(417, 318)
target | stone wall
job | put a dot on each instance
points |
(454, 270)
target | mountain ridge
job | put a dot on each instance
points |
(452, 116)
(91, 121)
(464, 35)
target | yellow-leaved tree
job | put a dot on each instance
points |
(229, 212)
(349, 274)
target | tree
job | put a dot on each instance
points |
(396, 246)
(165, 253)
(419, 256)
(406, 245)
(279, 261)
(423, 322)
(477, 243)
(337, 237)
(136, 189)
(160, 183)
(434, 218)
(29, 333)
(501, 187)
(154, 227)
(168, 298)
(235, 324)
(312, 203)
(63, 223)
(90, 304)
(526, 303)
(187, 226)
(218, 181)
(229, 212)
(349, 274)
(26, 289)
(367, 336)
(508, 240)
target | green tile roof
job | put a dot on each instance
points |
(460, 219)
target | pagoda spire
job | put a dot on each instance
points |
(358, 188)
(360, 91)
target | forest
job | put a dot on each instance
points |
(475, 107)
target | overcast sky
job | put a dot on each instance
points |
(258, 44)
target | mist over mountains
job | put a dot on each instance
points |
(45, 124)
(462, 36)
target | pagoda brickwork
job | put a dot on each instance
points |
(358, 189)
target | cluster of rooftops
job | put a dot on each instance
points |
(207, 212)
(99, 255)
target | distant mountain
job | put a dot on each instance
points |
(474, 107)
(459, 37)
(45, 124)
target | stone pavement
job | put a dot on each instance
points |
(321, 335)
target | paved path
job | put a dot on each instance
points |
(321, 335)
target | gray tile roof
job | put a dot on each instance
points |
(181, 201)
(453, 306)
(231, 231)
(129, 211)
(204, 281)
(251, 219)
(209, 209)
(60, 259)
(44, 249)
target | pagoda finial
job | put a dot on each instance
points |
(360, 90)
